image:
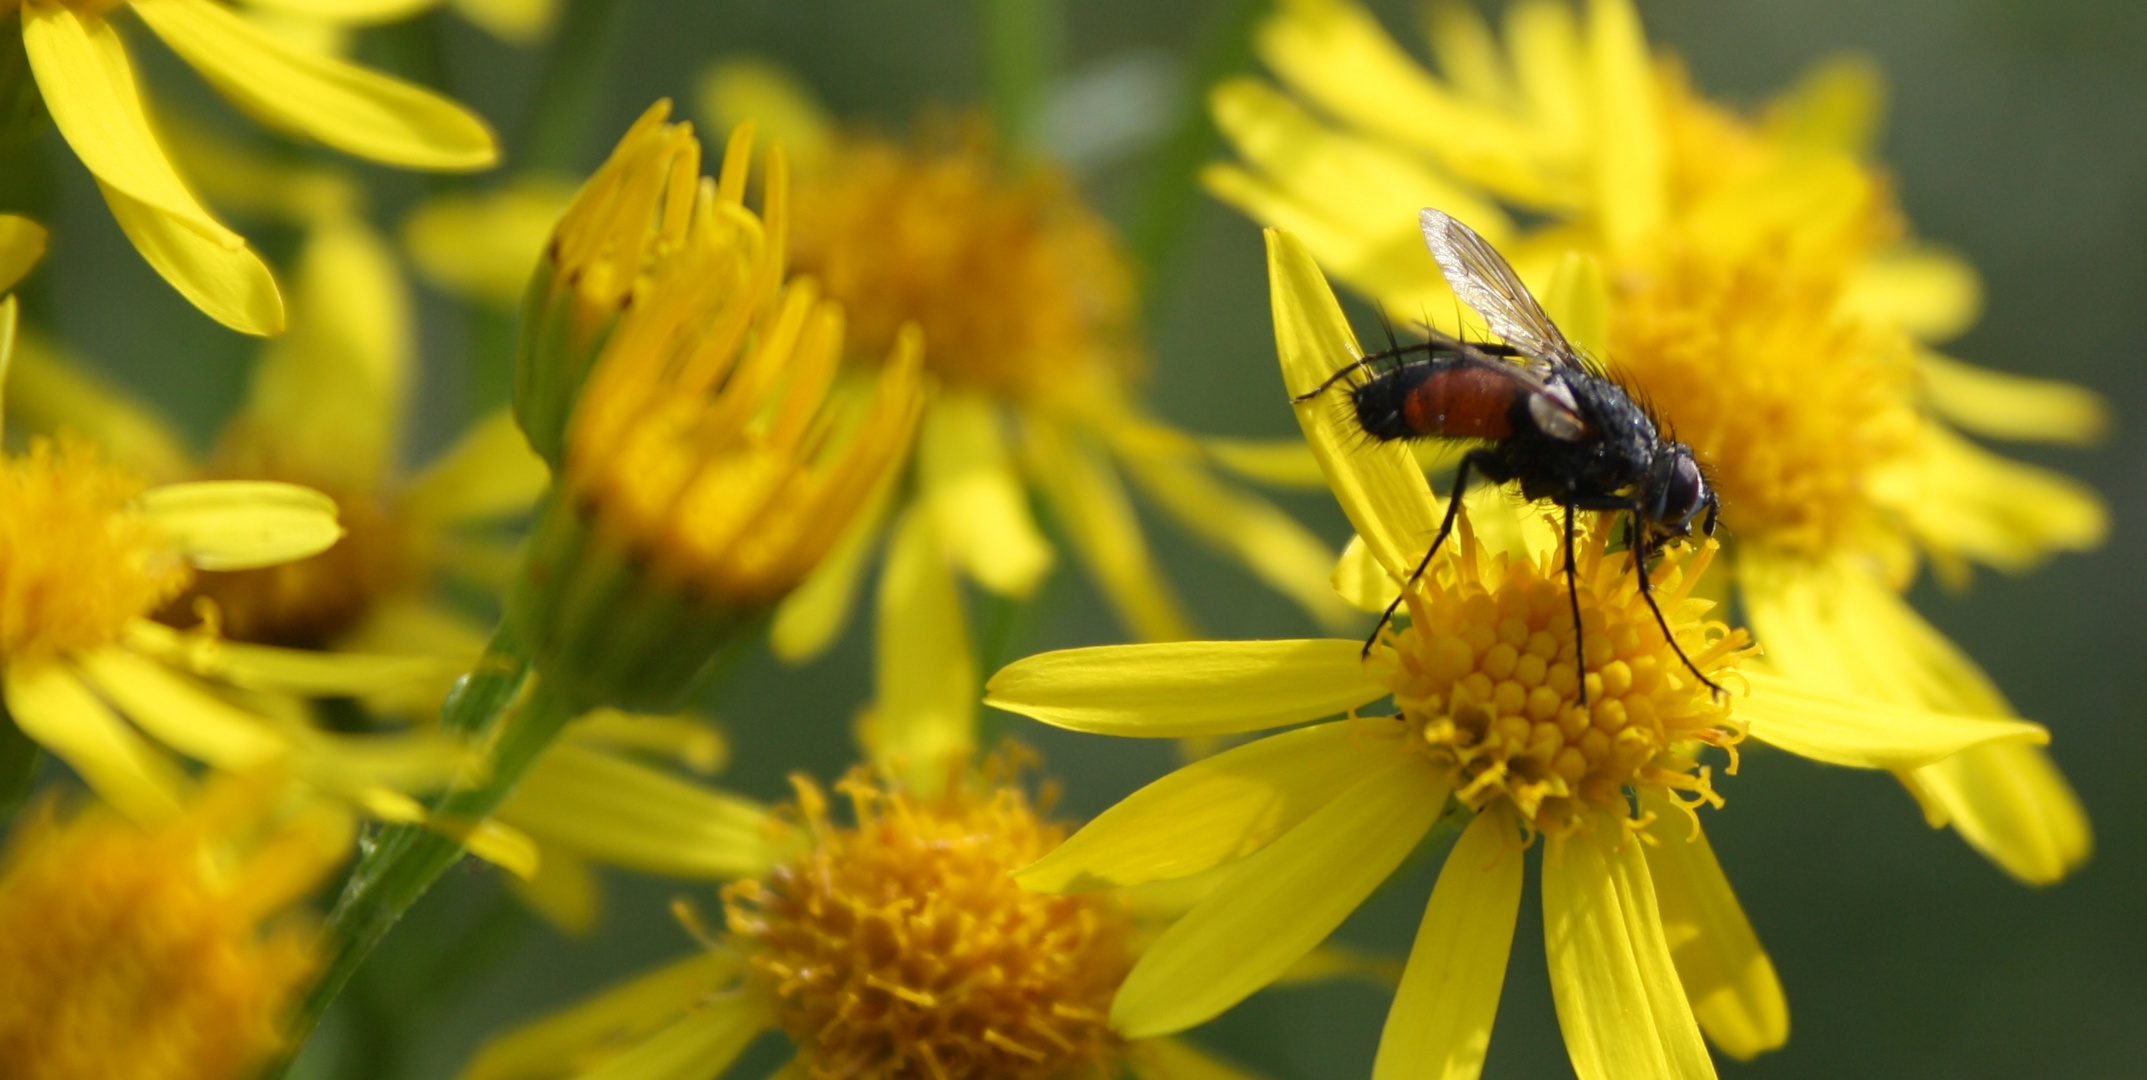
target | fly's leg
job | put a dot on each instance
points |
(1580, 645)
(1453, 509)
(1647, 592)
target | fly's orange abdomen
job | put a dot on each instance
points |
(1461, 402)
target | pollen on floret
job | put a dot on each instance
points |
(1486, 677)
(150, 953)
(77, 561)
(1020, 288)
(900, 947)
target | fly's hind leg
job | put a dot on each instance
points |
(1580, 643)
(1446, 527)
(1647, 592)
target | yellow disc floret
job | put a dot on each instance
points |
(76, 560)
(135, 953)
(1485, 678)
(1020, 288)
(901, 947)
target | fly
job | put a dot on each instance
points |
(1546, 417)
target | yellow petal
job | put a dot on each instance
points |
(1440, 1023)
(241, 524)
(698, 1045)
(1178, 689)
(1726, 974)
(968, 479)
(1578, 300)
(693, 741)
(349, 12)
(1865, 733)
(1620, 1006)
(574, 1037)
(813, 616)
(782, 108)
(178, 713)
(1360, 581)
(485, 247)
(2010, 802)
(495, 842)
(52, 707)
(327, 397)
(1176, 1059)
(344, 106)
(1277, 904)
(489, 473)
(88, 89)
(1379, 486)
(1631, 159)
(1279, 551)
(1215, 810)
(22, 243)
(565, 891)
(516, 22)
(1997, 511)
(47, 391)
(1336, 55)
(223, 278)
(1352, 199)
(1836, 105)
(296, 671)
(1285, 463)
(924, 718)
(1931, 293)
(2007, 406)
(609, 808)
(1092, 506)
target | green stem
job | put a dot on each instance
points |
(19, 756)
(571, 89)
(401, 862)
(1021, 54)
(1164, 212)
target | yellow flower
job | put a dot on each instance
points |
(325, 410)
(88, 85)
(170, 950)
(1026, 304)
(895, 945)
(1302, 825)
(1755, 282)
(709, 456)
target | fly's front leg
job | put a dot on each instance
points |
(1647, 592)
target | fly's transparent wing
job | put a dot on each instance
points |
(1483, 280)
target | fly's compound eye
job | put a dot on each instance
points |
(1683, 492)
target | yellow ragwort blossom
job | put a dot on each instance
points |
(895, 946)
(88, 552)
(1027, 309)
(168, 950)
(686, 389)
(1755, 280)
(89, 87)
(1301, 826)
(325, 410)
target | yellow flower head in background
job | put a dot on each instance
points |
(1301, 826)
(89, 87)
(164, 951)
(890, 946)
(710, 460)
(1025, 301)
(326, 409)
(1754, 281)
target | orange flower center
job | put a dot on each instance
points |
(1486, 678)
(902, 948)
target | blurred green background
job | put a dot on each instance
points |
(2018, 134)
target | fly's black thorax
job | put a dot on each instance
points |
(1614, 458)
